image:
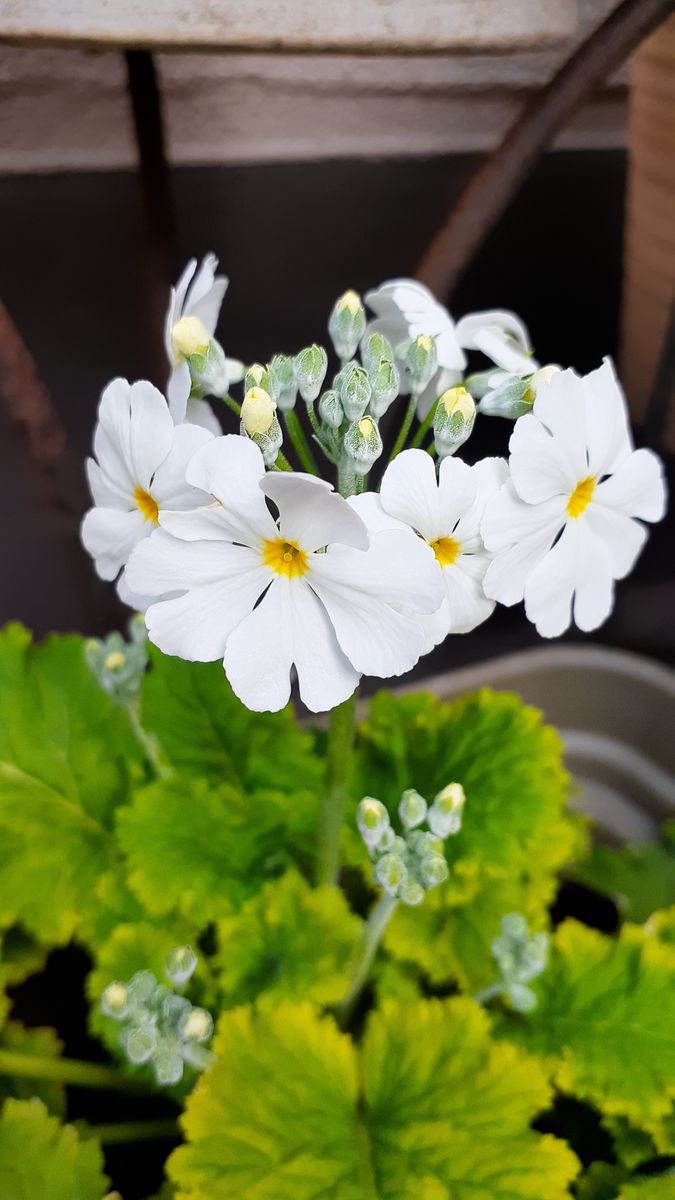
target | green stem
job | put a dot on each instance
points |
(405, 427)
(372, 935)
(489, 993)
(425, 426)
(148, 742)
(232, 403)
(119, 1132)
(281, 463)
(69, 1071)
(348, 480)
(299, 441)
(338, 761)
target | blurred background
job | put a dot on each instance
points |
(316, 148)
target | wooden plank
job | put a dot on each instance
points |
(355, 26)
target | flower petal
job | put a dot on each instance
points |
(623, 537)
(151, 435)
(492, 318)
(540, 464)
(520, 534)
(409, 492)
(110, 535)
(178, 391)
(169, 487)
(199, 412)
(456, 493)
(560, 405)
(637, 488)
(594, 592)
(112, 437)
(206, 294)
(468, 606)
(230, 468)
(106, 491)
(578, 567)
(489, 474)
(370, 509)
(608, 436)
(312, 514)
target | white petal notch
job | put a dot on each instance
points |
(567, 524)
(303, 587)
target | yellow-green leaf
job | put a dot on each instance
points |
(43, 1160)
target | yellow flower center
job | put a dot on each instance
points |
(147, 505)
(285, 558)
(581, 497)
(446, 550)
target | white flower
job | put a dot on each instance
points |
(502, 337)
(405, 309)
(139, 469)
(308, 589)
(567, 522)
(195, 302)
(446, 515)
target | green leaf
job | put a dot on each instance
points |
(42, 1043)
(200, 848)
(430, 1108)
(65, 757)
(601, 1181)
(649, 1187)
(606, 1021)
(290, 942)
(640, 879)
(204, 730)
(43, 1160)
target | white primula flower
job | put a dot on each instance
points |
(405, 309)
(307, 589)
(567, 522)
(446, 514)
(191, 320)
(503, 338)
(139, 469)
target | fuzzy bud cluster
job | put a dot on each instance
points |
(409, 864)
(160, 1027)
(118, 665)
(520, 956)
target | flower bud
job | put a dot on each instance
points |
(363, 445)
(142, 987)
(209, 372)
(512, 399)
(168, 1064)
(282, 385)
(514, 926)
(117, 665)
(189, 336)
(421, 362)
(310, 368)
(115, 1001)
(522, 998)
(390, 873)
(413, 809)
(453, 420)
(375, 348)
(421, 843)
(445, 814)
(180, 964)
(347, 324)
(331, 410)
(411, 893)
(385, 383)
(353, 386)
(433, 870)
(387, 840)
(257, 376)
(197, 1026)
(372, 820)
(257, 411)
(543, 375)
(140, 1043)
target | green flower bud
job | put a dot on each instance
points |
(197, 1025)
(445, 814)
(390, 873)
(522, 998)
(180, 964)
(413, 809)
(421, 843)
(140, 1043)
(347, 324)
(372, 820)
(282, 383)
(411, 893)
(259, 422)
(433, 870)
(115, 1001)
(385, 383)
(331, 410)
(353, 387)
(310, 368)
(387, 840)
(209, 371)
(257, 376)
(363, 445)
(376, 348)
(453, 420)
(514, 926)
(118, 666)
(421, 362)
(168, 1063)
(142, 987)
(511, 400)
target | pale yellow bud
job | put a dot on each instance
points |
(116, 994)
(543, 375)
(114, 660)
(257, 411)
(366, 427)
(189, 336)
(350, 301)
(256, 372)
(457, 399)
(425, 342)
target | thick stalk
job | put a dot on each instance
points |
(426, 425)
(69, 1071)
(405, 427)
(372, 936)
(232, 403)
(117, 1133)
(338, 760)
(299, 442)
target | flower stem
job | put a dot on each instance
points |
(405, 427)
(118, 1132)
(338, 761)
(148, 743)
(489, 993)
(425, 426)
(69, 1071)
(281, 463)
(232, 403)
(372, 935)
(299, 441)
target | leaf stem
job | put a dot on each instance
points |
(372, 936)
(147, 741)
(489, 993)
(405, 427)
(299, 441)
(338, 761)
(119, 1132)
(70, 1071)
(425, 425)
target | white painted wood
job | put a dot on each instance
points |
(273, 25)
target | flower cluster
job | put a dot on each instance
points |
(159, 1026)
(233, 555)
(408, 865)
(119, 666)
(520, 956)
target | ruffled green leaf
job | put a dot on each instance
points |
(649, 1187)
(606, 1021)
(430, 1108)
(41, 1043)
(640, 879)
(601, 1181)
(43, 1160)
(204, 730)
(289, 942)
